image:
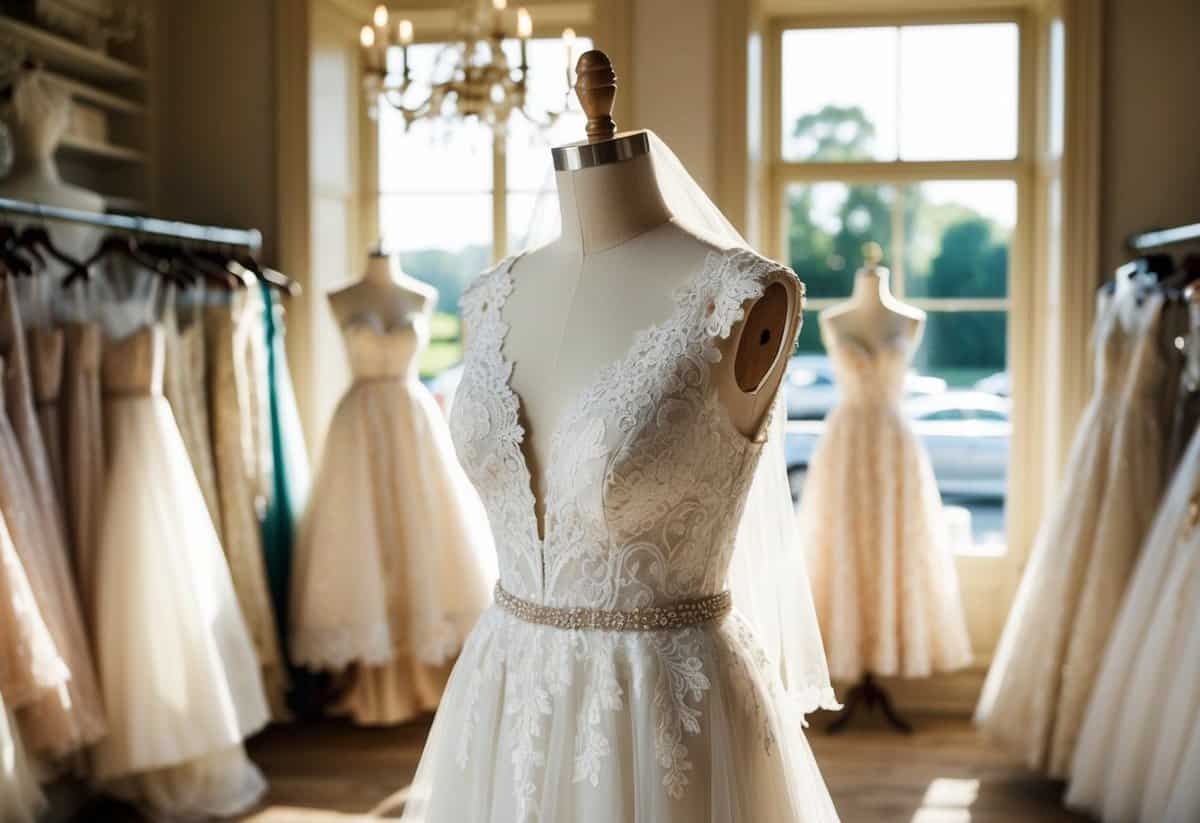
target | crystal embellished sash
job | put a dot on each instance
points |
(651, 618)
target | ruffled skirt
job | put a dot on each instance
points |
(544, 725)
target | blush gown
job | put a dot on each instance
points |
(59, 723)
(176, 661)
(882, 571)
(687, 724)
(393, 559)
(1046, 663)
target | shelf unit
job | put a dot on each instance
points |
(118, 89)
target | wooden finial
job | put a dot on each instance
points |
(596, 87)
(872, 253)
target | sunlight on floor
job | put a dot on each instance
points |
(947, 800)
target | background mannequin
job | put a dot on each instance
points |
(37, 118)
(384, 291)
(873, 316)
(578, 302)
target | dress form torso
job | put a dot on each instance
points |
(578, 303)
(385, 293)
(872, 316)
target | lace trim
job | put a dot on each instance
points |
(339, 646)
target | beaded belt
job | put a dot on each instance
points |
(651, 618)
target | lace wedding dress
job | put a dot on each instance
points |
(610, 683)
(1145, 705)
(179, 671)
(392, 564)
(1045, 666)
(871, 519)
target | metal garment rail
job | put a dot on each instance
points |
(1156, 238)
(250, 239)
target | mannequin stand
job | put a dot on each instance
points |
(869, 694)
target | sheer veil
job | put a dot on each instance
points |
(767, 576)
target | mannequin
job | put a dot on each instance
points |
(36, 119)
(578, 302)
(873, 316)
(384, 291)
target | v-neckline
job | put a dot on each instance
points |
(540, 524)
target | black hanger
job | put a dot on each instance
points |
(126, 247)
(10, 257)
(35, 239)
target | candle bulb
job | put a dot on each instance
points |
(568, 37)
(367, 37)
(524, 32)
(499, 5)
(381, 16)
(405, 32)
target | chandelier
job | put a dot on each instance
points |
(473, 76)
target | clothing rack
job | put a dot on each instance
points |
(249, 239)
(1157, 238)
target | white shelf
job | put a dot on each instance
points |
(99, 97)
(105, 150)
(127, 205)
(61, 53)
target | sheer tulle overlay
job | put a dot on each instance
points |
(647, 486)
(1144, 708)
(871, 519)
(176, 661)
(393, 561)
(1044, 669)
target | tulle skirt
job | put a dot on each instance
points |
(544, 725)
(882, 571)
(177, 665)
(1144, 706)
(394, 561)
(1045, 667)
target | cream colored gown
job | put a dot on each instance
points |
(882, 571)
(392, 565)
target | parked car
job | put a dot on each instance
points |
(966, 434)
(999, 383)
(812, 390)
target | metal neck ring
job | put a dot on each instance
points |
(589, 155)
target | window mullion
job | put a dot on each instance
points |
(896, 253)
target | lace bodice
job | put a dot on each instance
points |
(1115, 340)
(869, 377)
(648, 476)
(133, 365)
(377, 352)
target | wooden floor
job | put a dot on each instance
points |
(333, 773)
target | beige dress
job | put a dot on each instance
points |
(236, 452)
(185, 385)
(882, 571)
(70, 718)
(46, 360)
(83, 445)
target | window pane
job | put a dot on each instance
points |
(529, 164)
(827, 225)
(957, 238)
(431, 155)
(963, 348)
(944, 92)
(445, 240)
(958, 92)
(839, 94)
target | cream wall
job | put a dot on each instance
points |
(1150, 146)
(673, 79)
(218, 114)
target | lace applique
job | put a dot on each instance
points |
(647, 482)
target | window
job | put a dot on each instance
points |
(909, 136)
(454, 196)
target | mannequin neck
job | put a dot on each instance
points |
(31, 163)
(871, 285)
(604, 206)
(382, 270)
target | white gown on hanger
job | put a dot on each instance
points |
(683, 724)
(393, 563)
(871, 520)
(1045, 666)
(21, 798)
(1145, 706)
(178, 670)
